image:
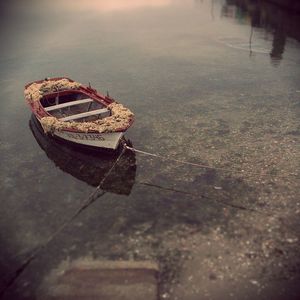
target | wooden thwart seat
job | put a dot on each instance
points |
(103, 112)
(68, 104)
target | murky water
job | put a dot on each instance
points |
(211, 82)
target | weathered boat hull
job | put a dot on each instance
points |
(99, 140)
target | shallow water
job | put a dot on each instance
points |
(209, 82)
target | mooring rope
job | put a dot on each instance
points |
(203, 196)
(97, 193)
(242, 172)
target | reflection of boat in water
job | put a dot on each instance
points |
(88, 165)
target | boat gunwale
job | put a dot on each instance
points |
(39, 111)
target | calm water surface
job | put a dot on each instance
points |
(212, 82)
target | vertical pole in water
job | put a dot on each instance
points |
(250, 41)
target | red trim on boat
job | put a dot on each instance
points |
(39, 111)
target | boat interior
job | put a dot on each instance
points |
(74, 107)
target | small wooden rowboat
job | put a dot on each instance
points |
(76, 113)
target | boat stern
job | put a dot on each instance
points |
(99, 140)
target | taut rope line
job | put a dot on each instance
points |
(242, 172)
